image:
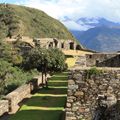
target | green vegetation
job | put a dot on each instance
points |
(45, 60)
(93, 71)
(18, 20)
(17, 66)
(47, 103)
(17, 69)
(11, 74)
(9, 53)
(49, 59)
(12, 77)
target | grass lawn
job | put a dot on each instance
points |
(47, 103)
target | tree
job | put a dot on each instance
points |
(57, 60)
(4, 70)
(12, 77)
(45, 60)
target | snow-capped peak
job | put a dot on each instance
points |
(85, 23)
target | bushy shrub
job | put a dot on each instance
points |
(93, 71)
(12, 77)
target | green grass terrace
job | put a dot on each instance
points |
(47, 103)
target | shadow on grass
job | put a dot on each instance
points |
(58, 78)
(57, 84)
(31, 109)
(61, 74)
(53, 91)
(38, 115)
(46, 101)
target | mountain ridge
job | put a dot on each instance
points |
(98, 34)
(101, 39)
(20, 20)
(85, 23)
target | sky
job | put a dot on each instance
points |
(75, 9)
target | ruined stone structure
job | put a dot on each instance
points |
(57, 43)
(93, 98)
(48, 43)
(103, 60)
(99, 60)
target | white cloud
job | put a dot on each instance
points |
(109, 9)
(74, 9)
(72, 25)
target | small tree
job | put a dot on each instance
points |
(45, 60)
(57, 60)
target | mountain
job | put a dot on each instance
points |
(97, 34)
(83, 24)
(19, 20)
(102, 39)
(97, 22)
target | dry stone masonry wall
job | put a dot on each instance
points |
(10, 104)
(93, 98)
(3, 107)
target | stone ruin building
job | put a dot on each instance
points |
(57, 43)
(99, 60)
(47, 43)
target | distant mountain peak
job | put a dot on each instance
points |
(85, 23)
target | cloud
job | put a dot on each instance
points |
(72, 25)
(75, 9)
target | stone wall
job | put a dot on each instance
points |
(81, 61)
(91, 98)
(11, 101)
(3, 107)
(17, 96)
(103, 60)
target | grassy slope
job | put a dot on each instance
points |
(31, 22)
(46, 104)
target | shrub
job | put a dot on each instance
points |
(93, 71)
(12, 77)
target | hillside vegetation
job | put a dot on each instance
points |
(19, 20)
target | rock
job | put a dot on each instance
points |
(68, 109)
(74, 109)
(79, 94)
(70, 114)
(70, 100)
(68, 105)
(82, 109)
(70, 93)
(110, 89)
(111, 100)
(71, 82)
(73, 87)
